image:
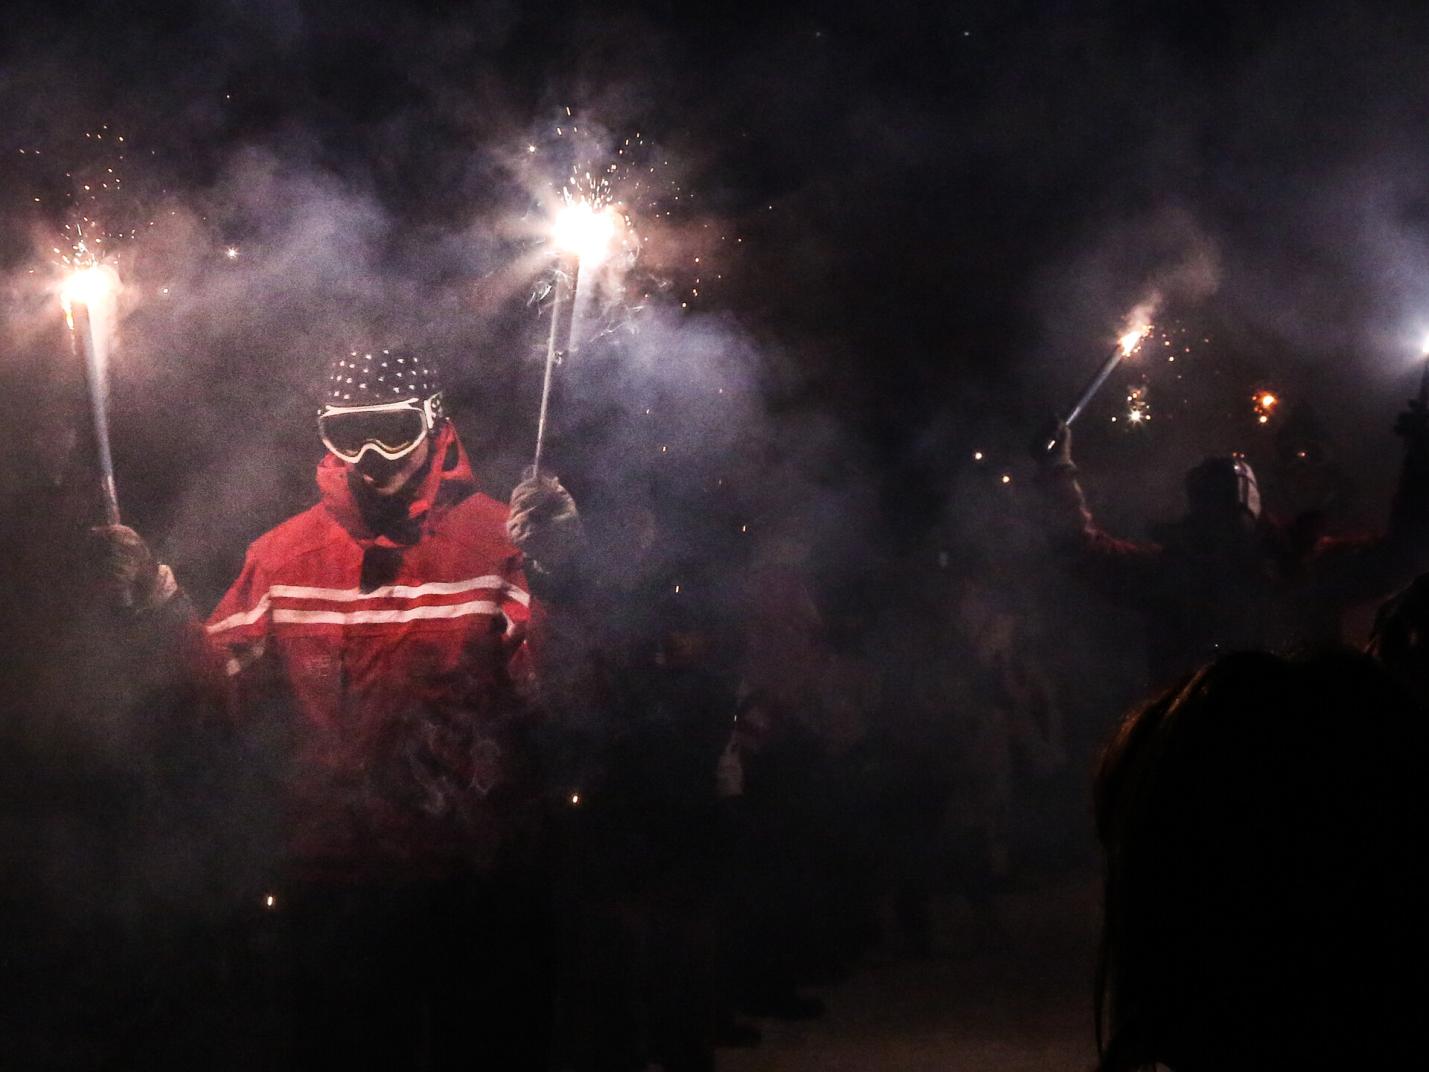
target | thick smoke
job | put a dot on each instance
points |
(925, 229)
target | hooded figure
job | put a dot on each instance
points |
(377, 648)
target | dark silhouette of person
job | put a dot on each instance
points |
(1227, 576)
(1263, 824)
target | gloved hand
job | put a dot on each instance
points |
(544, 522)
(129, 578)
(1052, 446)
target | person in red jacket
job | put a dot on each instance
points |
(377, 644)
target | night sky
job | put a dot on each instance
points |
(927, 222)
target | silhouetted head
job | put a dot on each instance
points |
(1263, 827)
(1222, 492)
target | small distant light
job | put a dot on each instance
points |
(743, 528)
(575, 800)
(1007, 478)
(977, 455)
(269, 901)
(677, 589)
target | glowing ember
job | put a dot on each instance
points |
(1265, 404)
(586, 231)
(1138, 407)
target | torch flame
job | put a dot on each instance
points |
(1131, 338)
(585, 231)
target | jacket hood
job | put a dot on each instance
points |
(446, 481)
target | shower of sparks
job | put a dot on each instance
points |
(1131, 338)
(1138, 407)
(1265, 403)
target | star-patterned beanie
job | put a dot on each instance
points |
(375, 377)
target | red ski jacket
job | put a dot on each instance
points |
(391, 662)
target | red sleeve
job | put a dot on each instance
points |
(237, 630)
(1127, 571)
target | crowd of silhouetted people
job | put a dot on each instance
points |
(740, 799)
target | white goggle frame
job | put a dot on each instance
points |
(429, 408)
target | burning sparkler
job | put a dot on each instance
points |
(88, 299)
(586, 232)
(583, 233)
(1126, 345)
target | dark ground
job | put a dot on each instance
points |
(1025, 1007)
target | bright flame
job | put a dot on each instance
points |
(585, 231)
(1131, 338)
(88, 286)
(1268, 400)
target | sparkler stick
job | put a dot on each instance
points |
(584, 234)
(85, 290)
(553, 353)
(1125, 345)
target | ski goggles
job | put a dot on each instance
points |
(392, 430)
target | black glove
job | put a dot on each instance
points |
(1052, 446)
(128, 576)
(544, 522)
